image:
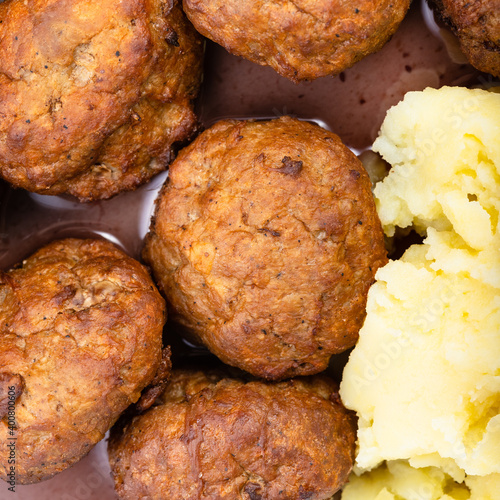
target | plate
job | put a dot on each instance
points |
(352, 105)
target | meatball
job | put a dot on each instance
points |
(210, 437)
(300, 39)
(80, 338)
(265, 242)
(477, 25)
(94, 95)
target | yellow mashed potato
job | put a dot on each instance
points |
(399, 481)
(424, 377)
(444, 147)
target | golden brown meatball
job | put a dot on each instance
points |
(265, 242)
(477, 25)
(80, 338)
(94, 95)
(300, 39)
(209, 438)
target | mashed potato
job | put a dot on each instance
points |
(424, 378)
(444, 147)
(399, 481)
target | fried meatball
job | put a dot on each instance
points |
(265, 241)
(94, 95)
(300, 39)
(209, 437)
(477, 26)
(80, 337)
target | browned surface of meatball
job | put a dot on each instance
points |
(94, 95)
(265, 242)
(300, 39)
(477, 25)
(80, 337)
(212, 438)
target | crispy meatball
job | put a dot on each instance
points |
(265, 241)
(477, 25)
(300, 39)
(80, 338)
(209, 437)
(94, 95)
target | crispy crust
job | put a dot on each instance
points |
(477, 25)
(94, 95)
(265, 242)
(300, 39)
(81, 330)
(211, 437)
